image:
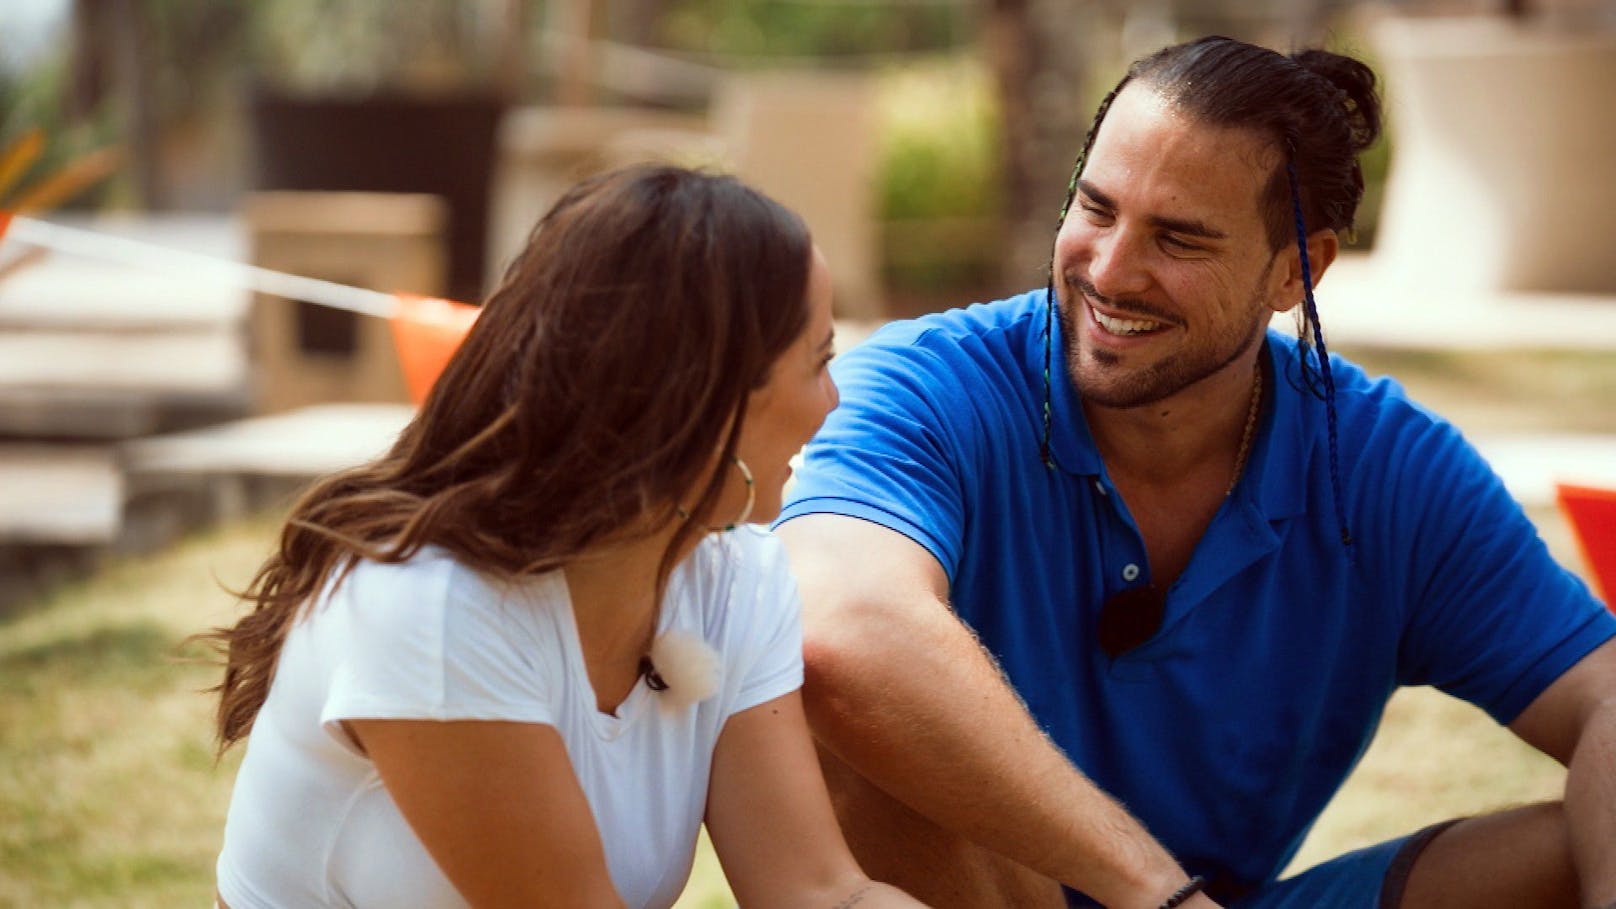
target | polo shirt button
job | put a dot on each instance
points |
(1130, 572)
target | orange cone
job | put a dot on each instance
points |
(1592, 513)
(427, 331)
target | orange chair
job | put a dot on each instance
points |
(1592, 513)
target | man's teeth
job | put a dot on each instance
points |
(1123, 326)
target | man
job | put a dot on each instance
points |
(1203, 554)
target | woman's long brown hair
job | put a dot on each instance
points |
(613, 360)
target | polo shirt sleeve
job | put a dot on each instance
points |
(889, 453)
(1492, 618)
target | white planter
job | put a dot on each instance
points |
(1504, 175)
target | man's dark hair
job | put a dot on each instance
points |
(1320, 109)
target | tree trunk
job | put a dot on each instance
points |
(91, 56)
(635, 21)
(135, 65)
(1039, 52)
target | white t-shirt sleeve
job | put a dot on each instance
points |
(430, 640)
(771, 662)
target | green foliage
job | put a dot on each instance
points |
(940, 183)
(360, 46)
(801, 28)
(941, 153)
(36, 99)
(196, 50)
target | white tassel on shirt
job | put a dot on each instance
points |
(689, 667)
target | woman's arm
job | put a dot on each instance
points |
(771, 822)
(498, 807)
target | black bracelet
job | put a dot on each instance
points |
(1191, 887)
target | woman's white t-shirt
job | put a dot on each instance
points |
(310, 823)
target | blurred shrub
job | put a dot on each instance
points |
(940, 181)
(804, 28)
(358, 47)
(34, 99)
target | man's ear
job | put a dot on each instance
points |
(1322, 246)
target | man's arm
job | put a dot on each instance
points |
(900, 690)
(1574, 721)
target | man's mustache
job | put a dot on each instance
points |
(1124, 304)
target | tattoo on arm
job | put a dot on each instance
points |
(857, 896)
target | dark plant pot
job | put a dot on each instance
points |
(444, 145)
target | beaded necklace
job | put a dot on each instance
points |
(1251, 430)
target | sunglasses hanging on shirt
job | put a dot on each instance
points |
(1129, 618)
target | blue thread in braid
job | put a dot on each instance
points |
(1311, 308)
(1049, 404)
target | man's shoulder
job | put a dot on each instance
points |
(992, 328)
(1365, 401)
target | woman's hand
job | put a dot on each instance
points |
(498, 807)
(770, 818)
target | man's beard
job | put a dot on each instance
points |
(1162, 379)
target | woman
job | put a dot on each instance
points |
(511, 663)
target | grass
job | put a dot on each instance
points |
(111, 796)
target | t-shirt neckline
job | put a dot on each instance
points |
(605, 725)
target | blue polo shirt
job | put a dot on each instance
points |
(1229, 730)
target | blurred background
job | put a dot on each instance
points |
(156, 412)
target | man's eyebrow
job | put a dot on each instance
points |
(1187, 226)
(1093, 192)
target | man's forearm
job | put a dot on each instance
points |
(920, 710)
(1591, 808)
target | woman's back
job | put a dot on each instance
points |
(311, 824)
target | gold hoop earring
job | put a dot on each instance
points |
(751, 495)
(746, 510)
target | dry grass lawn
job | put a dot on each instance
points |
(111, 797)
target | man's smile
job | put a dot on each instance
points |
(1123, 327)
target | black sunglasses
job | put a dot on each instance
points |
(1129, 618)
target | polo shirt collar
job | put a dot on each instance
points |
(1276, 470)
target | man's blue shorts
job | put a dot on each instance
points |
(1369, 878)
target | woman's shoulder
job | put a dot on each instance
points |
(427, 579)
(737, 582)
(434, 586)
(749, 552)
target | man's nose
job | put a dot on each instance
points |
(1118, 266)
